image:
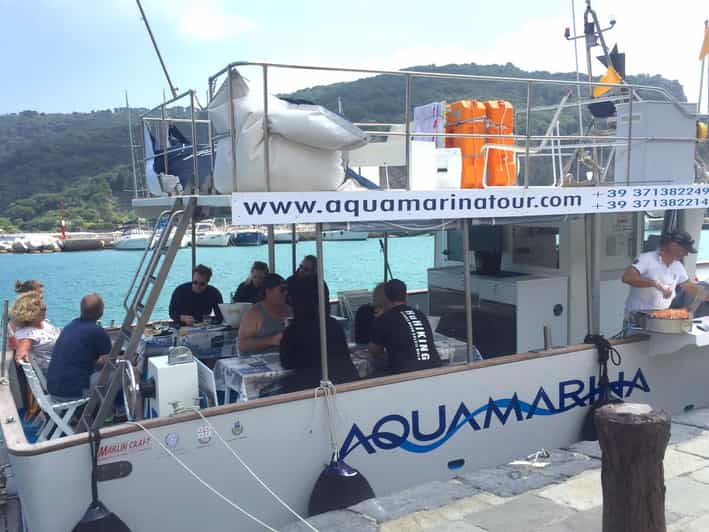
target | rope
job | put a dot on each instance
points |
(251, 472)
(94, 443)
(606, 352)
(330, 395)
(201, 481)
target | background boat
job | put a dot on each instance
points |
(132, 239)
(209, 235)
(343, 234)
(249, 238)
(284, 236)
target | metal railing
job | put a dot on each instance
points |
(527, 143)
(164, 121)
(560, 144)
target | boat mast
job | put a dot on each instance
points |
(157, 50)
(701, 74)
(132, 149)
(593, 35)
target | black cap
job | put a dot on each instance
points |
(683, 238)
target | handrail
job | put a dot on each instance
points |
(142, 259)
(167, 102)
(177, 120)
(374, 129)
(162, 240)
(415, 73)
(532, 137)
(442, 75)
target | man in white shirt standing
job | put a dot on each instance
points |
(655, 275)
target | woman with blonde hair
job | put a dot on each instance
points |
(22, 287)
(35, 336)
(31, 285)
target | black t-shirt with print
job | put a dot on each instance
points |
(408, 339)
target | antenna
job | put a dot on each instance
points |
(593, 35)
(157, 51)
(132, 149)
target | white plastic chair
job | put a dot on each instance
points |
(206, 381)
(351, 300)
(58, 414)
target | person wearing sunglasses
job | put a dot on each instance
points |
(301, 283)
(261, 328)
(193, 302)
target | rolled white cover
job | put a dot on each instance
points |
(304, 142)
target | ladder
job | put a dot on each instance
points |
(152, 278)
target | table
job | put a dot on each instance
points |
(207, 342)
(450, 350)
(249, 375)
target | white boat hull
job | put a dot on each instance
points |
(397, 434)
(132, 243)
(217, 239)
(284, 237)
(184, 242)
(341, 234)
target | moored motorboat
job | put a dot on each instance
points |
(344, 234)
(133, 239)
(207, 234)
(284, 236)
(249, 238)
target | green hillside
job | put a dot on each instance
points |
(84, 158)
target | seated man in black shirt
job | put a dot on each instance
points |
(301, 283)
(404, 332)
(300, 346)
(194, 302)
(249, 290)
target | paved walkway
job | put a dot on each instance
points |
(560, 493)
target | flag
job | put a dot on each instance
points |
(705, 45)
(611, 76)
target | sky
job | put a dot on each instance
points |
(80, 55)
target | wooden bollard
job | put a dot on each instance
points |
(633, 439)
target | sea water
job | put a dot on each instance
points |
(69, 276)
(348, 265)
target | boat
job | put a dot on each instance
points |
(284, 236)
(208, 235)
(185, 240)
(526, 270)
(133, 239)
(246, 237)
(136, 239)
(344, 234)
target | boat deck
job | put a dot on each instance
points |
(558, 493)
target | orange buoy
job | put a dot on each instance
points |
(501, 169)
(468, 116)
